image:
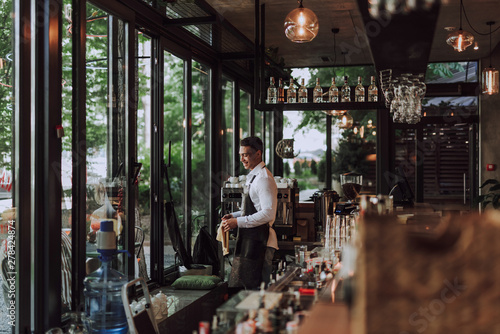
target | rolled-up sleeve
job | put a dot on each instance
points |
(264, 195)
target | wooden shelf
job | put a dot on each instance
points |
(321, 106)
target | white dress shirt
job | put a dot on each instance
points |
(264, 195)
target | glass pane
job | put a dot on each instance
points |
(106, 123)
(354, 149)
(452, 72)
(259, 119)
(66, 164)
(244, 121)
(227, 126)
(268, 145)
(143, 217)
(200, 158)
(7, 211)
(451, 107)
(309, 146)
(174, 127)
(244, 114)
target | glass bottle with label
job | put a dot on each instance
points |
(291, 94)
(372, 90)
(281, 92)
(359, 92)
(317, 92)
(272, 93)
(346, 91)
(333, 92)
(302, 92)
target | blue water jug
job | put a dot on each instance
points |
(103, 303)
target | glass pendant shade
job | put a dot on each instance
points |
(301, 25)
(460, 40)
(490, 81)
(345, 121)
(338, 112)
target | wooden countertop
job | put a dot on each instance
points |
(326, 318)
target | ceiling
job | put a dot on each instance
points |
(347, 17)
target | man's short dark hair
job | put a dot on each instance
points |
(253, 142)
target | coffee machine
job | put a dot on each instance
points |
(284, 225)
(288, 197)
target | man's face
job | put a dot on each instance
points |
(249, 157)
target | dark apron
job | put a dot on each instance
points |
(250, 250)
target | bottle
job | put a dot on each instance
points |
(102, 289)
(281, 92)
(333, 92)
(291, 94)
(272, 93)
(372, 90)
(359, 92)
(346, 91)
(302, 92)
(317, 93)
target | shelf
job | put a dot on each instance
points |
(321, 106)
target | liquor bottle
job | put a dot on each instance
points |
(333, 92)
(372, 90)
(281, 92)
(272, 92)
(346, 91)
(291, 94)
(302, 92)
(359, 92)
(317, 93)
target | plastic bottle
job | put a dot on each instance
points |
(103, 302)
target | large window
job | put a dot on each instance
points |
(201, 188)
(106, 126)
(66, 166)
(173, 134)
(144, 63)
(353, 149)
(7, 210)
(227, 126)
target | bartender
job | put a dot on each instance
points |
(256, 241)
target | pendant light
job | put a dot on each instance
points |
(301, 25)
(490, 74)
(460, 39)
(345, 121)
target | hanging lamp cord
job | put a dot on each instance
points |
(490, 24)
(461, 8)
(470, 25)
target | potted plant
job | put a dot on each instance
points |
(492, 196)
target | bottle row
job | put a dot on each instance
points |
(334, 94)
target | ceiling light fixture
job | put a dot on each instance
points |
(460, 39)
(490, 74)
(301, 25)
(345, 121)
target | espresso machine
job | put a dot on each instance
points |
(231, 197)
(288, 197)
(284, 225)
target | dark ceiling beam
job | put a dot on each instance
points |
(401, 41)
(189, 21)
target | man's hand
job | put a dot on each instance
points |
(229, 215)
(229, 224)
